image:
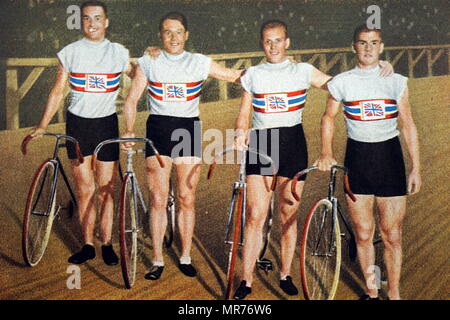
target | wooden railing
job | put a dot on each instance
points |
(327, 60)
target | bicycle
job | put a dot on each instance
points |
(131, 209)
(237, 209)
(41, 207)
(321, 250)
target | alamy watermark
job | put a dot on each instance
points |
(74, 280)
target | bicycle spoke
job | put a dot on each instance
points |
(39, 214)
(320, 254)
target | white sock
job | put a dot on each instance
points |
(158, 263)
(185, 260)
(283, 276)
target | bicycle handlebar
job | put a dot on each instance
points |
(333, 168)
(120, 140)
(213, 164)
(29, 137)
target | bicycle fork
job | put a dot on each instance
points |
(236, 188)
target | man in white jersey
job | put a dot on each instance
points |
(173, 81)
(372, 106)
(276, 91)
(93, 66)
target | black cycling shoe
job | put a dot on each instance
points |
(86, 253)
(109, 256)
(367, 297)
(154, 273)
(288, 287)
(187, 269)
(242, 291)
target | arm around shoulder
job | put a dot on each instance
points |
(220, 72)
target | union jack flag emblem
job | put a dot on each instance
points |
(96, 82)
(276, 102)
(175, 92)
(373, 110)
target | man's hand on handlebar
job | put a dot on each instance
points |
(325, 162)
(127, 146)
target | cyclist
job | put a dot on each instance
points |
(174, 82)
(372, 107)
(277, 116)
(93, 67)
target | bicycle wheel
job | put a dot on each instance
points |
(320, 254)
(234, 245)
(128, 231)
(170, 229)
(39, 214)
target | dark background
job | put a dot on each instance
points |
(37, 28)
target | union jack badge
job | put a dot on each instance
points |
(372, 110)
(175, 92)
(276, 102)
(96, 82)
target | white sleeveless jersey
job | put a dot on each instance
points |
(369, 102)
(174, 83)
(94, 76)
(279, 92)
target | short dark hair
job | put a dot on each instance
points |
(364, 28)
(273, 24)
(174, 15)
(94, 3)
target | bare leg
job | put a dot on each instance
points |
(85, 189)
(188, 175)
(361, 213)
(106, 175)
(392, 211)
(158, 183)
(288, 208)
(258, 199)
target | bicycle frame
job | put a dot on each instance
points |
(56, 162)
(129, 171)
(240, 183)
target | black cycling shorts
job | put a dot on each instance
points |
(376, 168)
(90, 132)
(174, 136)
(285, 145)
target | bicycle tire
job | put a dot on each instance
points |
(320, 254)
(128, 232)
(39, 214)
(232, 256)
(170, 229)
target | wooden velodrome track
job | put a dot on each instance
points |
(426, 227)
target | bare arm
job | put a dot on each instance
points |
(220, 72)
(54, 100)
(243, 121)
(326, 159)
(129, 110)
(409, 131)
(319, 79)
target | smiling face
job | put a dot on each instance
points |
(95, 23)
(173, 36)
(275, 43)
(368, 48)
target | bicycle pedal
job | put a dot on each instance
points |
(265, 264)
